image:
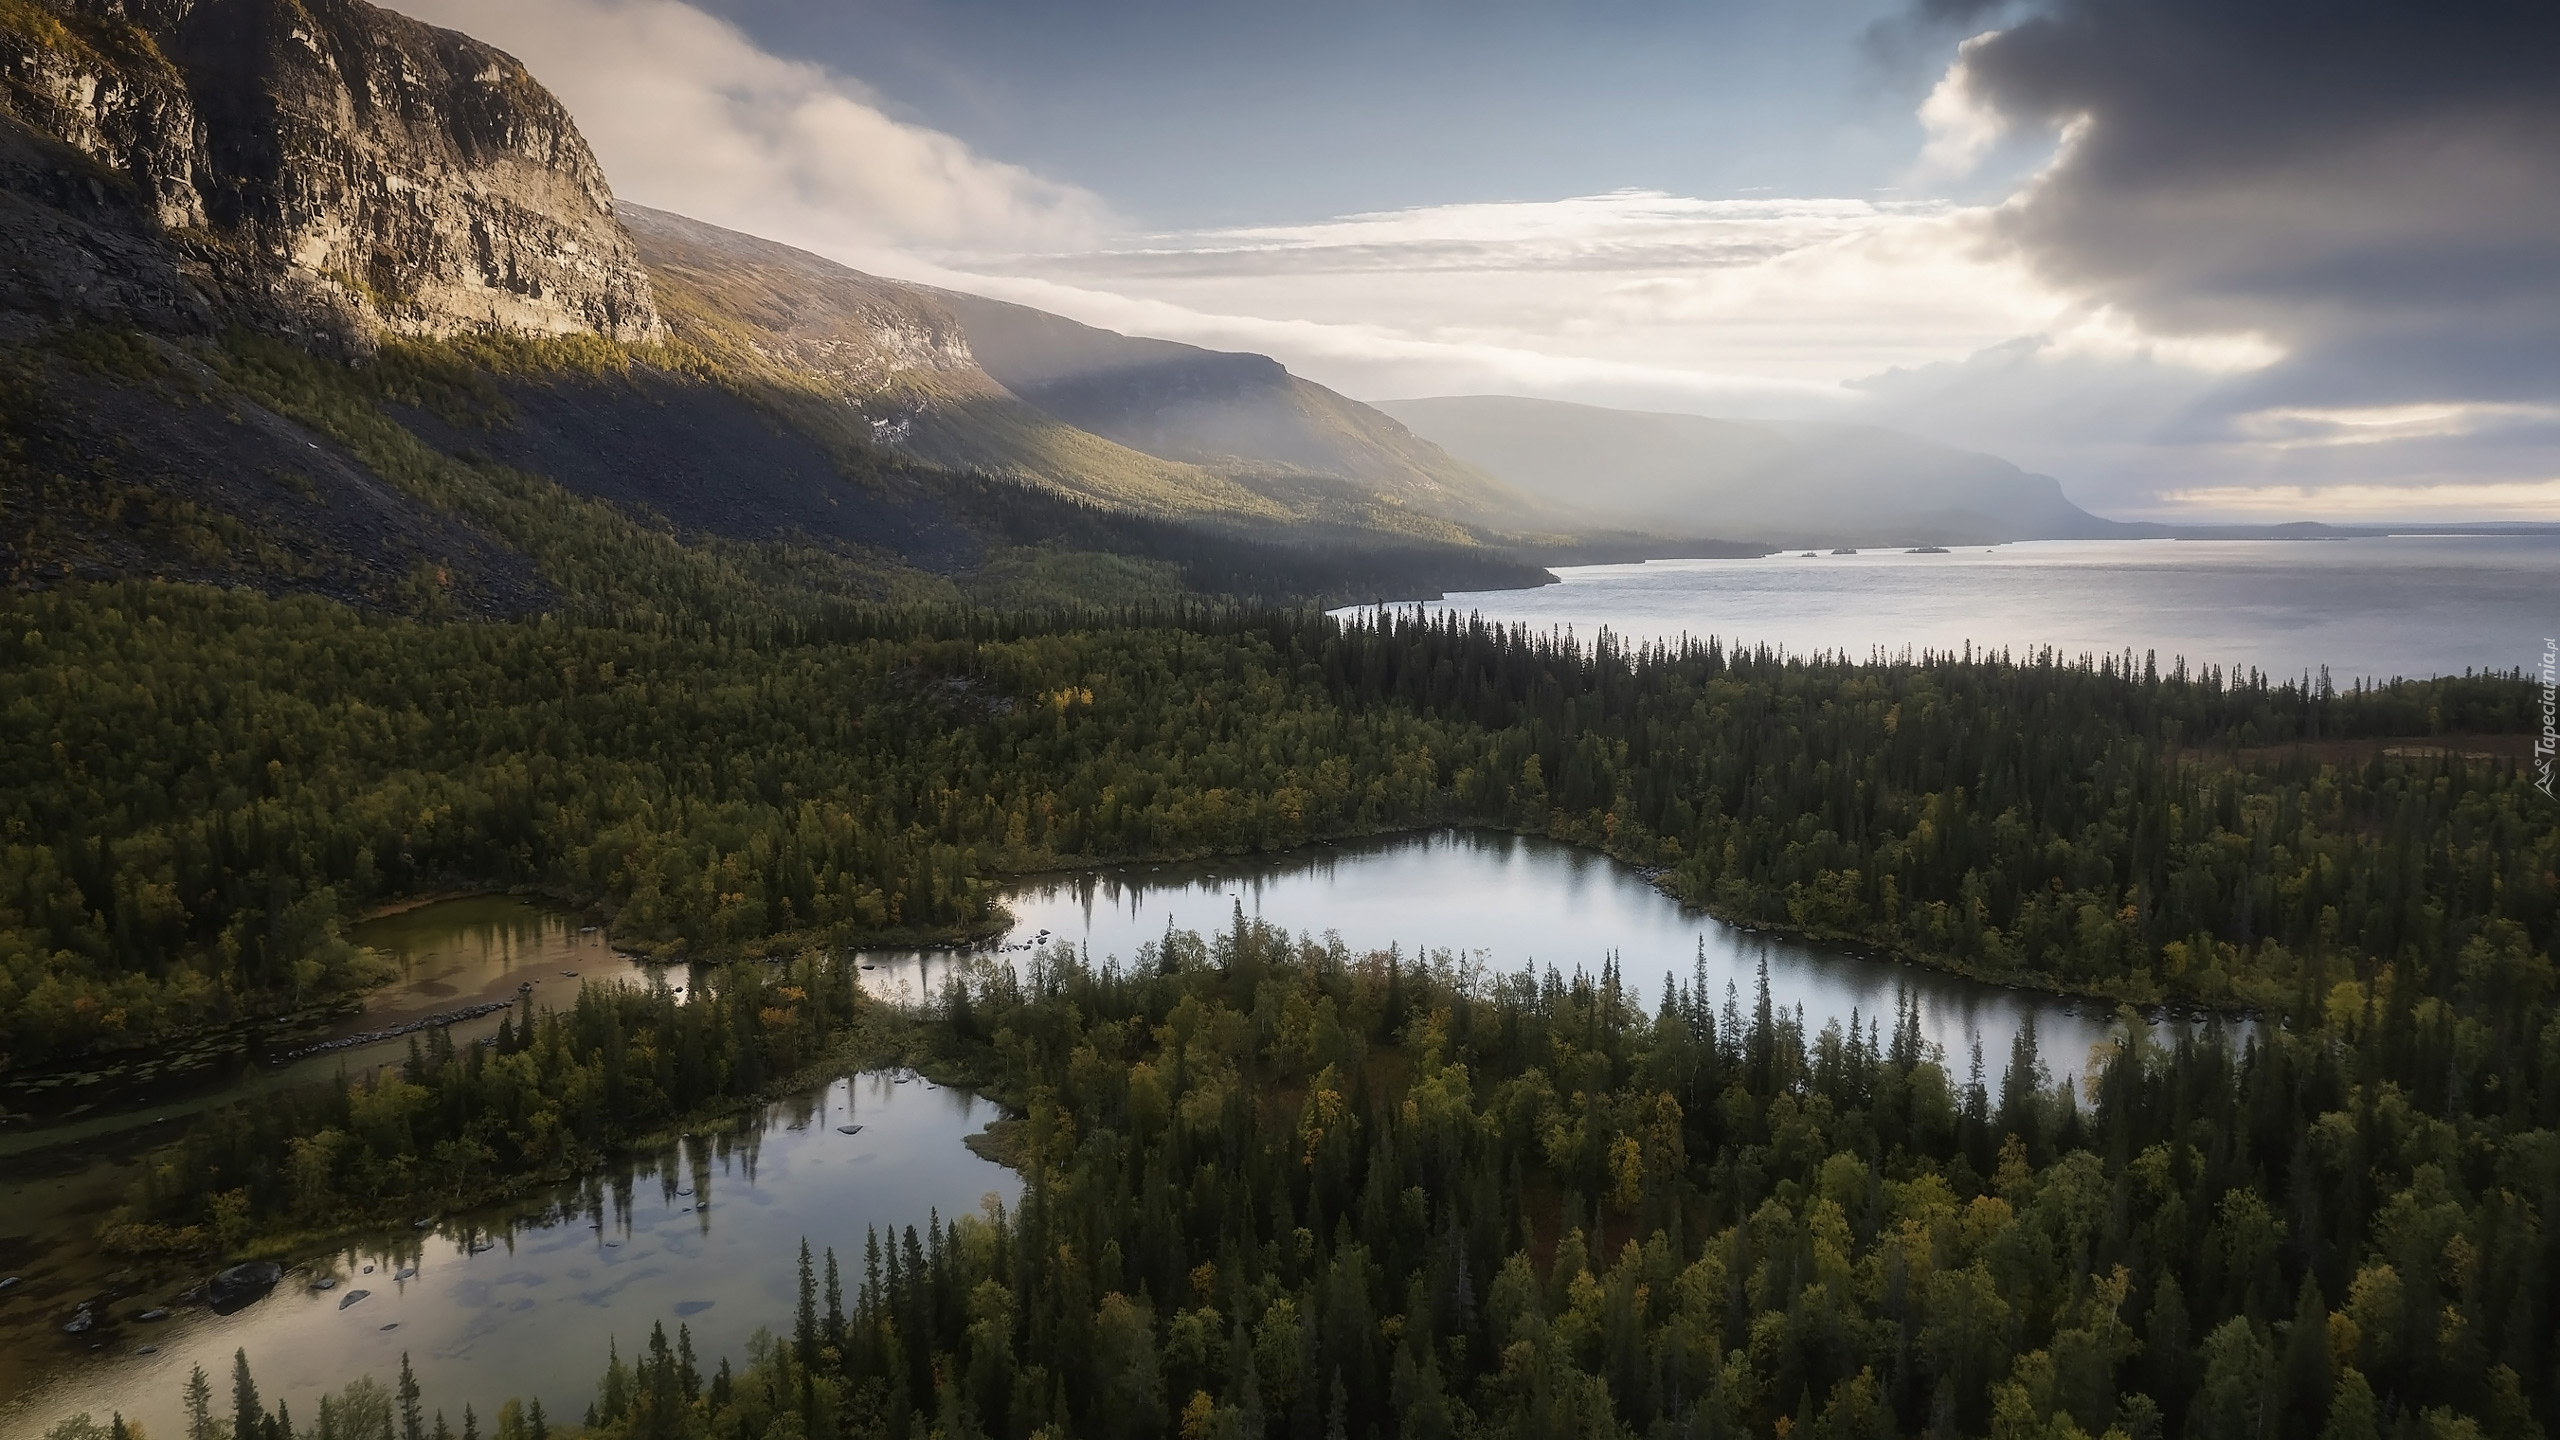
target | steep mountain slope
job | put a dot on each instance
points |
(304, 295)
(906, 360)
(1789, 484)
(1223, 409)
(895, 369)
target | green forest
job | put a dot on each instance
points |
(545, 1101)
(1276, 1189)
(200, 789)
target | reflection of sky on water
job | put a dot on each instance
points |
(446, 956)
(1506, 901)
(706, 1233)
(531, 1313)
(2404, 605)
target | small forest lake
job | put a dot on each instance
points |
(1504, 902)
(522, 1301)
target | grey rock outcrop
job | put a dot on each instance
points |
(322, 167)
(241, 1284)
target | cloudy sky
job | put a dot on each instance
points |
(2231, 258)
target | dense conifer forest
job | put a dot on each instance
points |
(200, 789)
(1275, 1189)
(1279, 1190)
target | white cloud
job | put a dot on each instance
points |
(1783, 296)
(1962, 129)
(2413, 504)
(1772, 307)
(687, 114)
(2297, 427)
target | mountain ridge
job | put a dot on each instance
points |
(1783, 483)
(1211, 407)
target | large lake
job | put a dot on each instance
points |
(708, 1233)
(2399, 606)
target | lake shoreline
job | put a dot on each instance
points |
(889, 1033)
(106, 1280)
(979, 938)
(1664, 878)
(604, 1250)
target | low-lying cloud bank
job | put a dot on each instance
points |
(2282, 260)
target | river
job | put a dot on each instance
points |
(708, 1232)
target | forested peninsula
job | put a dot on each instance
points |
(1275, 1189)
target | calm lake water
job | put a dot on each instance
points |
(522, 1302)
(1505, 902)
(56, 1180)
(531, 1314)
(446, 956)
(2377, 607)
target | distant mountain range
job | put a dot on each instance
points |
(1784, 484)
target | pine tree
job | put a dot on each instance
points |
(199, 1401)
(804, 1329)
(246, 1412)
(834, 1332)
(413, 1420)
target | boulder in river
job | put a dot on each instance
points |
(82, 1321)
(352, 1297)
(242, 1285)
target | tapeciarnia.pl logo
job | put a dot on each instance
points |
(2548, 742)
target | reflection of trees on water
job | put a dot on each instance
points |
(682, 1172)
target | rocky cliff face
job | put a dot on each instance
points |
(320, 166)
